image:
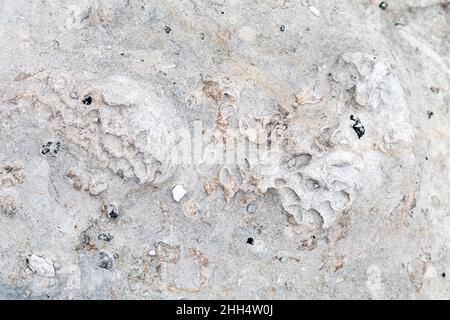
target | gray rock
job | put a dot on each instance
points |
(315, 130)
(105, 260)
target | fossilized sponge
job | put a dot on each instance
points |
(319, 165)
(128, 128)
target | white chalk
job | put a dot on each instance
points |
(314, 11)
(178, 193)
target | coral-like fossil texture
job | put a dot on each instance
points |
(224, 149)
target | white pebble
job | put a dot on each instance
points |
(314, 11)
(178, 193)
(42, 266)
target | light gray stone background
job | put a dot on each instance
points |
(95, 203)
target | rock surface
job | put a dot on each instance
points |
(282, 149)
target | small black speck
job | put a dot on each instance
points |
(443, 274)
(202, 36)
(250, 241)
(282, 28)
(426, 158)
(112, 211)
(167, 29)
(357, 126)
(222, 12)
(435, 90)
(430, 114)
(122, 54)
(87, 100)
(51, 148)
(383, 5)
(105, 237)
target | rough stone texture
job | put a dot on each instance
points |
(350, 101)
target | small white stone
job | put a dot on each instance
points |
(152, 253)
(42, 266)
(314, 11)
(178, 193)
